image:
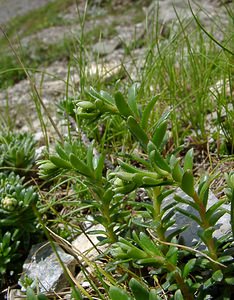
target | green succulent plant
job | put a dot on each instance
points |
(8, 250)
(142, 239)
(17, 223)
(17, 151)
(16, 203)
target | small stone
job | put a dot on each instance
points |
(105, 71)
(106, 46)
(43, 267)
(83, 244)
(39, 136)
(40, 152)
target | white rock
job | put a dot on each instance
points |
(84, 243)
(105, 71)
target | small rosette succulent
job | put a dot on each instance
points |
(16, 203)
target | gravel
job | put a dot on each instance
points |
(12, 8)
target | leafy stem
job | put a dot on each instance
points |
(205, 225)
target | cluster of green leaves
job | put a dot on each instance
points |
(17, 221)
(8, 250)
(141, 239)
(17, 201)
(138, 289)
(17, 152)
(67, 159)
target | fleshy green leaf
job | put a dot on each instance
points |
(150, 147)
(217, 276)
(157, 260)
(61, 152)
(187, 184)
(206, 235)
(160, 161)
(147, 111)
(99, 168)
(79, 165)
(136, 253)
(59, 162)
(122, 105)
(159, 134)
(203, 189)
(117, 293)
(137, 131)
(6, 239)
(229, 280)
(90, 157)
(132, 95)
(216, 216)
(169, 216)
(104, 96)
(150, 181)
(125, 189)
(138, 289)
(176, 232)
(177, 172)
(133, 251)
(172, 255)
(178, 295)
(189, 267)
(127, 167)
(153, 295)
(148, 245)
(107, 97)
(208, 283)
(188, 160)
(225, 259)
(86, 105)
(107, 197)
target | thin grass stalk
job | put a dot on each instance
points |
(33, 86)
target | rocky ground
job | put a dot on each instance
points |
(17, 100)
(12, 8)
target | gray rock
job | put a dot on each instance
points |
(12, 8)
(105, 47)
(190, 236)
(52, 35)
(44, 268)
(212, 15)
